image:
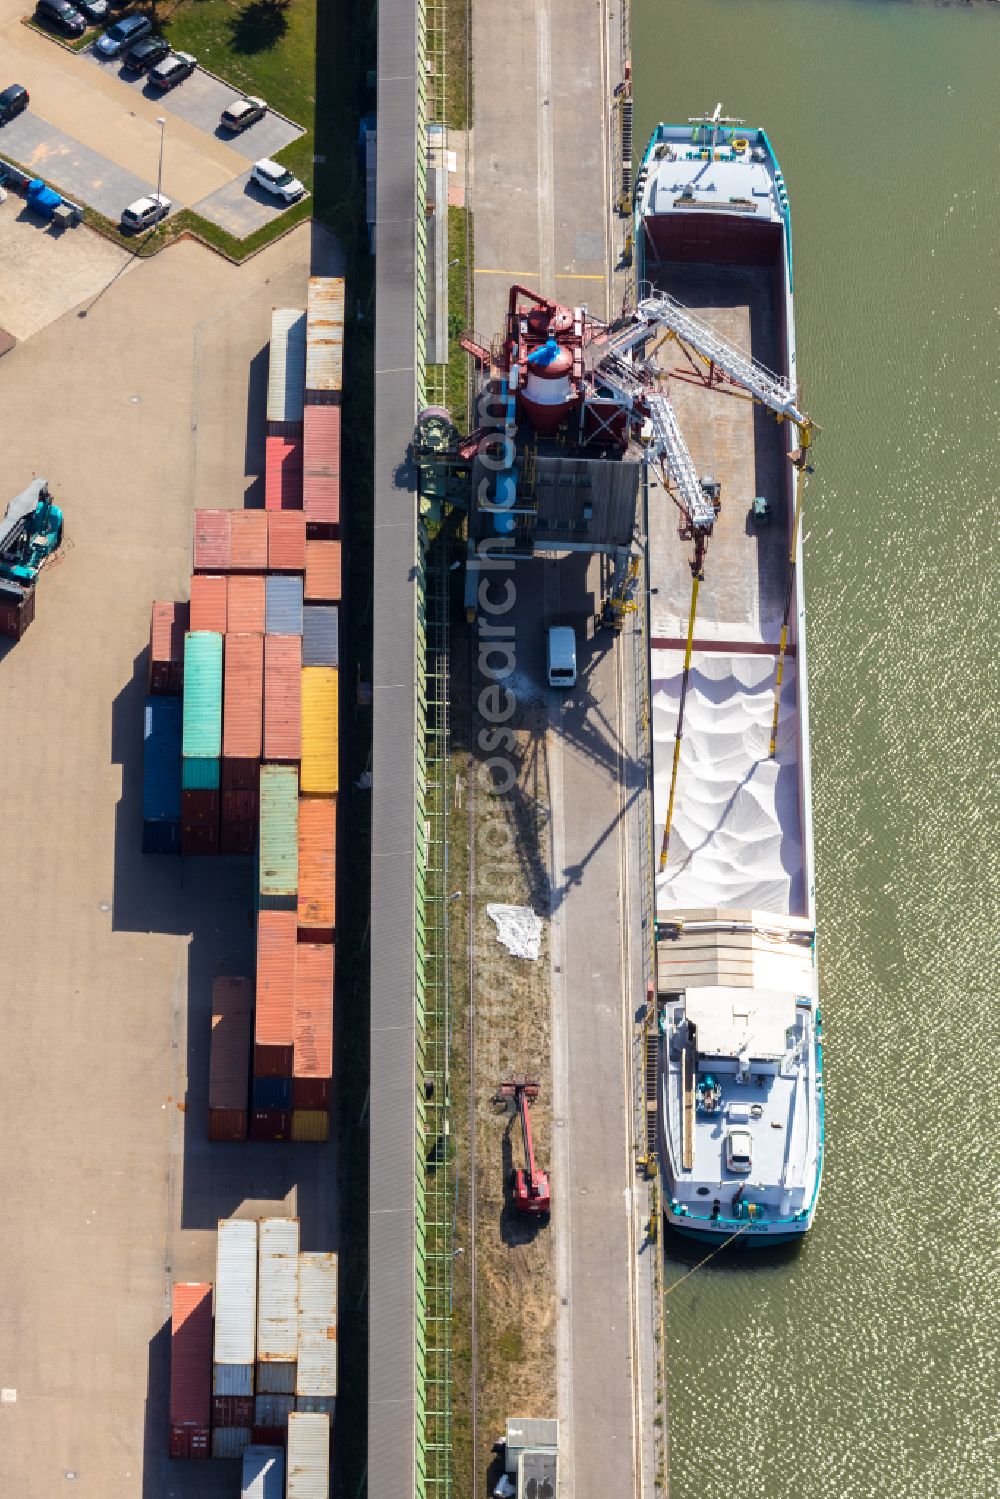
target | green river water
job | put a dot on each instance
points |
(865, 1365)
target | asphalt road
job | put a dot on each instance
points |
(83, 175)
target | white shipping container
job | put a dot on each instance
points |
(286, 369)
(308, 1456)
(232, 1379)
(230, 1441)
(236, 1291)
(276, 1379)
(317, 1371)
(277, 1290)
(272, 1410)
(263, 1473)
(325, 334)
(325, 1404)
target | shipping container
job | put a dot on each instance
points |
(167, 628)
(241, 775)
(230, 1441)
(282, 473)
(277, 1293)
(273, 1409)
(240, 806)
(161, 759)
(317, 863)
(199, 838)
(270, 1436)
(286, 369)
(324, 1404)
(245, 603)
(232, 1410)
(275, 1379)
(161, 837)
(208, 608)
(320, 771)
(268, 1126)
(284, 605)
(190, 1369)
(325, 337)
(235, 1297)
(229, 1058)
(203, 694)
(248, 547)
(320, 635)
(282, 697)
(313, 1055)
(271, 1093)
(239, 838)
(200, 808)
(200, 775)
(323, 572)
(17, 610)
(317, 1373)
(244, 697)
(321, 464)
(286, 541)
(263, 1472)
(310, 1126)
(275, 1020)
(308, 1456)
(279, 831)
(232, 1379)
(212, 540)
(311, 1094)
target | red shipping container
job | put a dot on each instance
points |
(232, 1410)
(270, 1124)
(239, 838)
(317, 900)
(283, 473)
(241, 775)
(312, 1093)
(274, 1029)
(190, 1369)
(212, 540)
(321, 464)
(208, 602)
(200, 807)
(323, 572)
(166, 648)
(269, 1436)
(249, 541)
(286, 541)
(282, 697)
(313, 1046)
(16, 614)
(240, 806)
(243, 698)
(229, 1061)
(200, 837)
(245, 603)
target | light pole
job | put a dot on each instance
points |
(159, 170)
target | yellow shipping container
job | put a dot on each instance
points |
(319, 730)
(310, 1124)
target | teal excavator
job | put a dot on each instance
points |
(30, 531)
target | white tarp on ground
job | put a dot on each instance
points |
(735, 838)
(518, 928)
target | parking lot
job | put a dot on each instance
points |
(81, 173)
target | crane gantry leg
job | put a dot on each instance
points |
(697, 574)
(802, 468)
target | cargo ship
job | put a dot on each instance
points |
(740, 1071)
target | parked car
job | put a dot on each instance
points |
(276, 180)
(242, 112)
(62, 15)
(173, 70)
(13, 99)
(119, 37)
(96, 11)
(145, 212)
(146, 54)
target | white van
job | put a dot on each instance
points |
(562, 656)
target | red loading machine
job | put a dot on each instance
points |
(543, 358)
(530, 1184)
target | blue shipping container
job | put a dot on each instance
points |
(161, 759)
(321, 635)
(272, 1092)
(283, 611)
(200, 775)
(161, 837)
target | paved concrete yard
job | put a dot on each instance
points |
(200, 100)
(82, 174)
(45, 271)
(240, 207)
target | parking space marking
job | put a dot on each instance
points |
(80, 172)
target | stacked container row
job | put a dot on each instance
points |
(235, 1336)
(190, 1370)
(168, 626)
(229, 1058)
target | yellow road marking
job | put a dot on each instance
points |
(481, 270)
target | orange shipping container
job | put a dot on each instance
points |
(282, 697)
(313, 1010)
(276, 959)
(249, 541)
(212, 540)
(286, 540)
(318, 862)
(323, 581)
(243, 697)
(208, 602)
(245, 604)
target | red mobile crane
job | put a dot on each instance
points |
(530, 1184)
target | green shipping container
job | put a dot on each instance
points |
(200, 775)
(279, 830)
(203, 695)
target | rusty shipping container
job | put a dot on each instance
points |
(283, 697)
(200, 809)
(321, 464)
(310, 1126)
(190, 1369)
(317, 1374)
(248, 547)
(167, 628)
(277, 1294)
(324, 338)
(208, 602)
(313, 1053)
(245, 603)
(323, 572)
(274, 1030)
(17, 610)
(229, 1058)
(286, 367)
(308, 1456)
(212, 540)
(244, 697)
(283, 473)
(286, 540)
(317, 864)
(311, 1094)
